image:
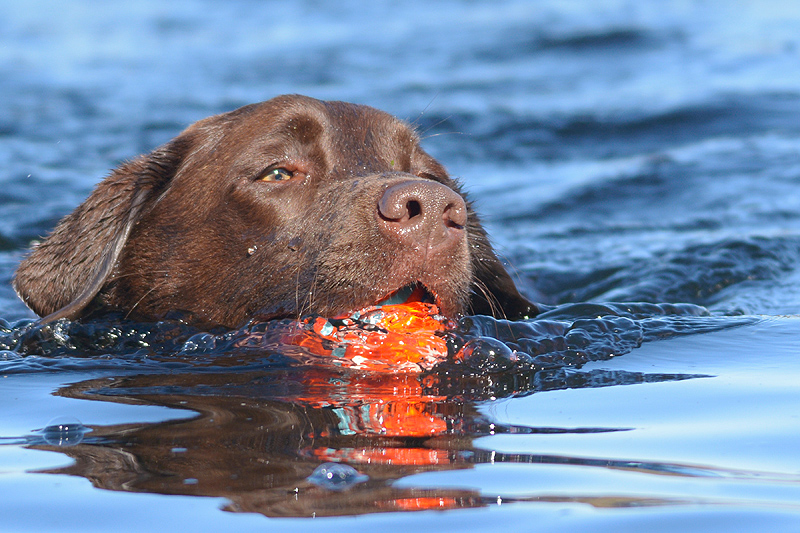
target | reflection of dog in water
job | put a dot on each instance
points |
(260, 436)
(260, 453)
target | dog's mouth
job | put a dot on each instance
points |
(415, 292)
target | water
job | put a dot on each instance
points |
(618, 152)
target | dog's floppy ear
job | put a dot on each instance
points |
(64, 273)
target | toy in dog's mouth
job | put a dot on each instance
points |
(402, 332)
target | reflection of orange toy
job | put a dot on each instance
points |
(380, 405)
(389, 405)
(408, 337)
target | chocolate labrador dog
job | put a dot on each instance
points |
(277, 209)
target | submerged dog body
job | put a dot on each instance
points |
(277, 209)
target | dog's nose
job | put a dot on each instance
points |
(422, 214)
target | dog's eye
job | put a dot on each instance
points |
(276, 174)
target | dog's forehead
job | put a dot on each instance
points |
(307, 120)
(356, 126)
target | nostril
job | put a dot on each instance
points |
(455, 215)
(413, 208)
(454, 219)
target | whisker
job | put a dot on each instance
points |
(419, 116)
(140, 300)
(510, 268)
(300, 303)
(442, 133)
(307, 301)
(435, 124)
(131, 274)
(494, 305)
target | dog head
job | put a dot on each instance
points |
(277, 209)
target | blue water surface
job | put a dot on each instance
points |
(638, 163)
